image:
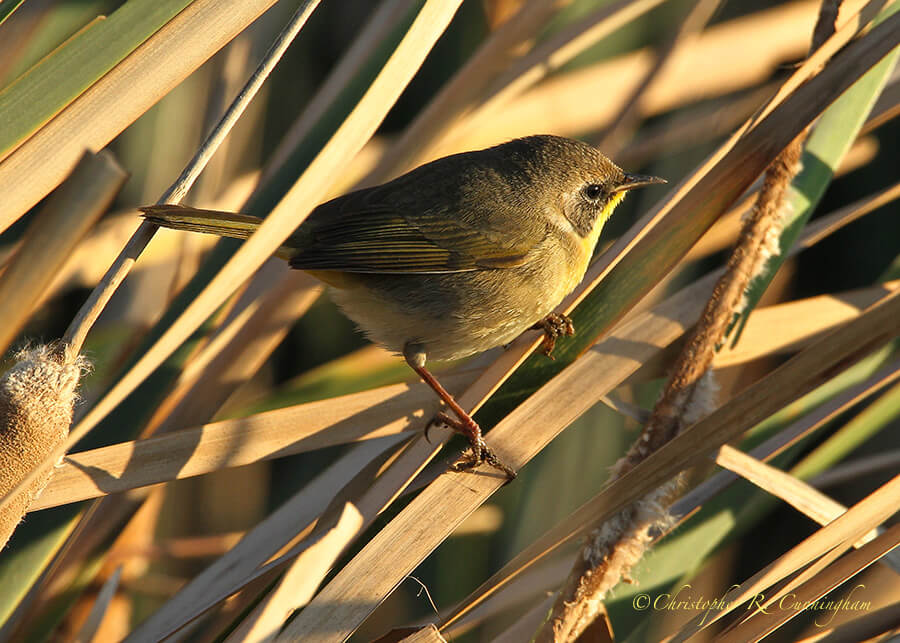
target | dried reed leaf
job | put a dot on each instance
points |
(798, 323)
(44, 90)
(576, 524)
(793, 491)
(692, 126)
(860, 518)
(874, 418)
(230, 572)
(115, 100)
(341, 420)
(56, 229)
(298, 584)
(534, 584)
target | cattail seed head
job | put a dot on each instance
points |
(37, 397)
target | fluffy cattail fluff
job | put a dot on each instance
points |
(36, 400)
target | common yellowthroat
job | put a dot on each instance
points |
(457, 256)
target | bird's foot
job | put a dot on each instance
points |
(480, 452)
(554, 326)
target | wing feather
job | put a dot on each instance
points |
(382, 240)
(459, 213)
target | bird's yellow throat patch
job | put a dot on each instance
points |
(590, 242)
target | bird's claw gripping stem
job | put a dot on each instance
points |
(554, 326)
(481, 452)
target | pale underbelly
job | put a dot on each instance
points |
(450, 315)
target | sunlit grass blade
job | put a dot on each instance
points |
(7, 7)
(230, 443)
(785, 487)
(114, 101)
(860, 518)
(38, 95)
(231, 571)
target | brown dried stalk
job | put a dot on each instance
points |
(616, 545)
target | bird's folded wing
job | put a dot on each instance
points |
(381, 240)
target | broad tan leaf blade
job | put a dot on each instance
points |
(260, 545)
(39, 94)
(273, 434)
(791, 490)
(798, 322)
(115, 101)
(860, 518)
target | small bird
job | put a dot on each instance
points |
(455, 257)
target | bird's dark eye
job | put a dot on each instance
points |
(592, 191)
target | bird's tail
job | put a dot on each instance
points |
(223, 224)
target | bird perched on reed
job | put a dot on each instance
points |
(458, 255)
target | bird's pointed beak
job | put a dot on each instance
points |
(632, 181)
